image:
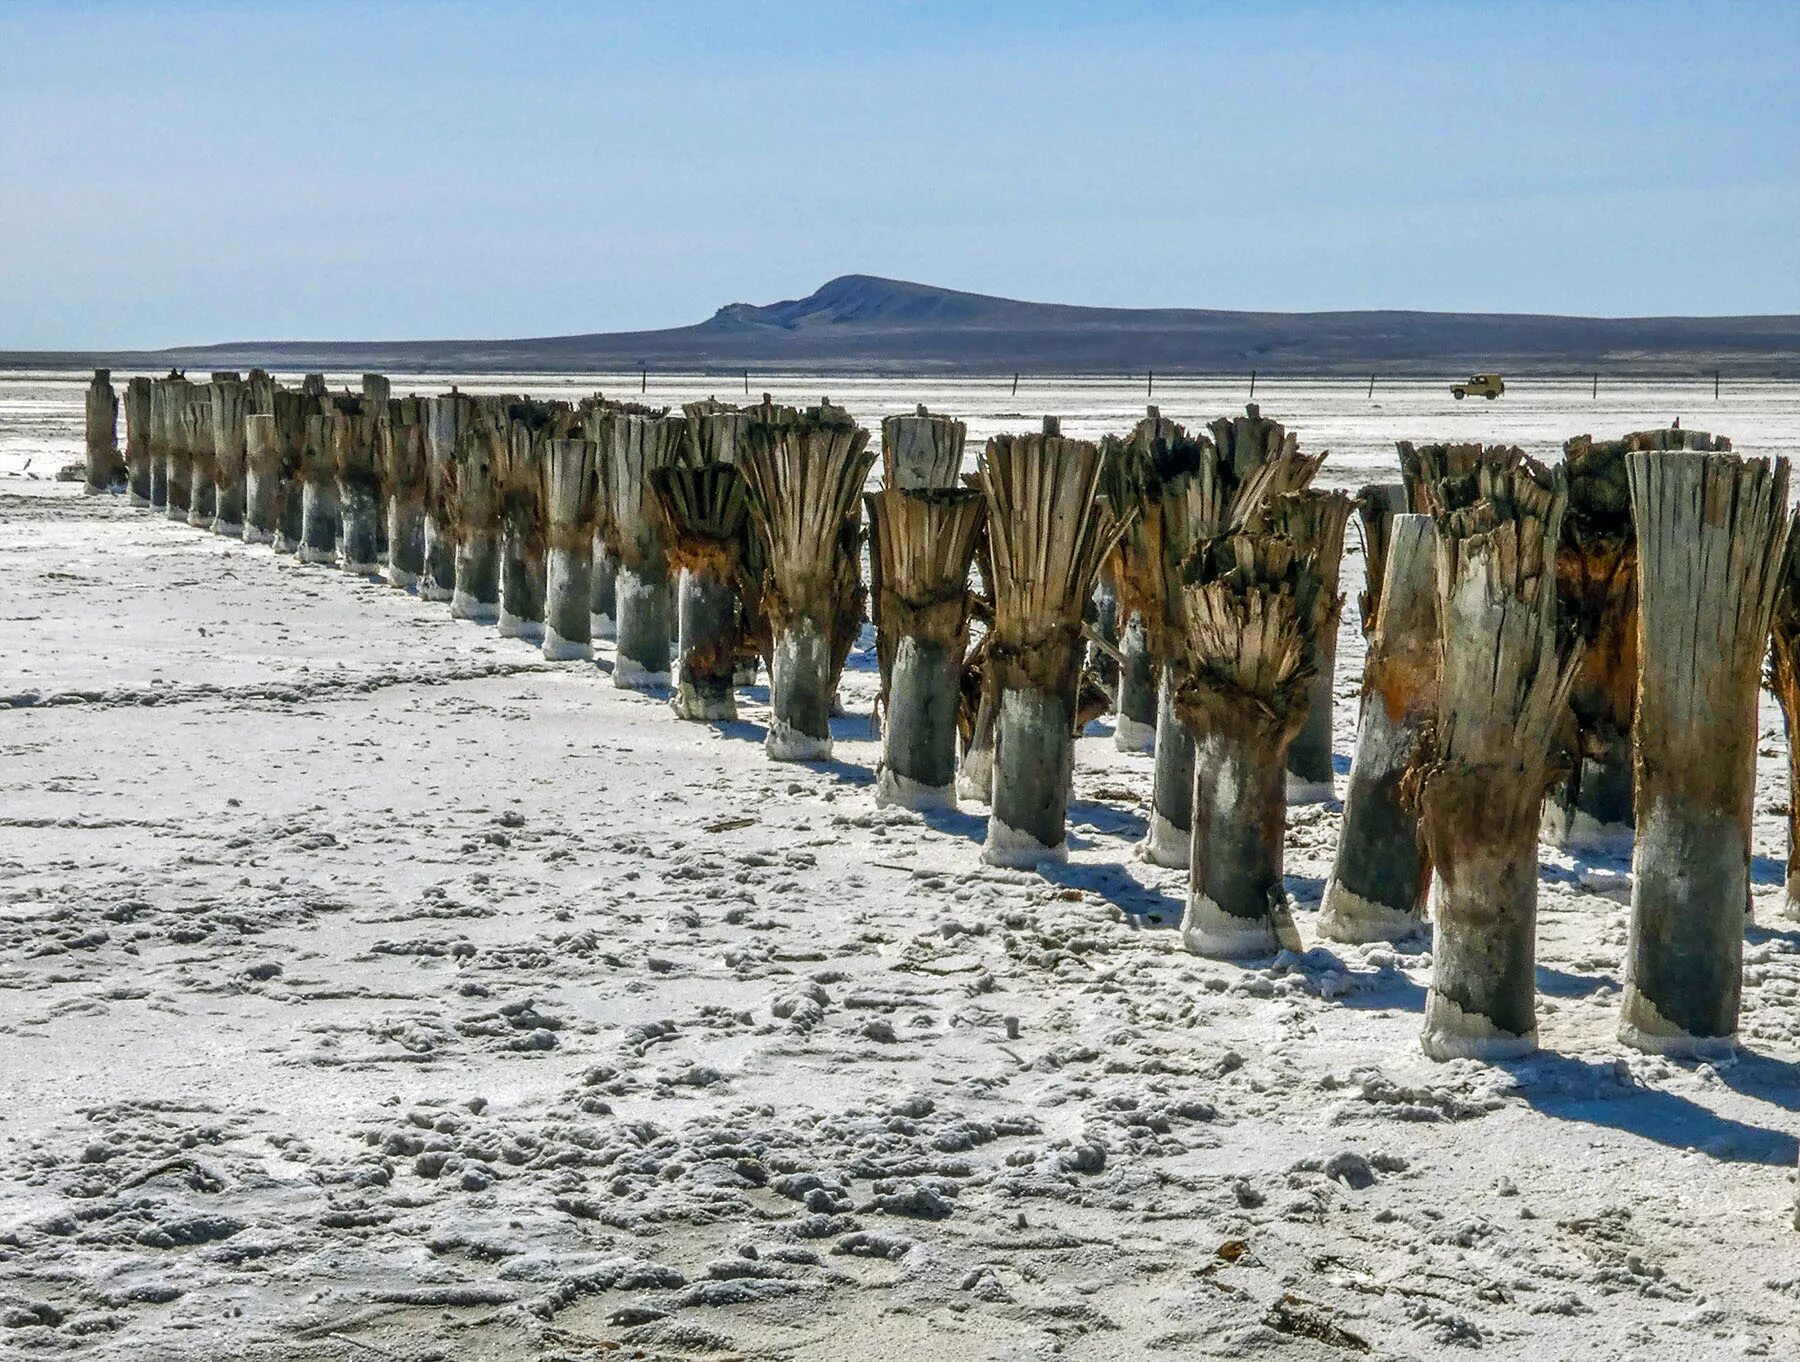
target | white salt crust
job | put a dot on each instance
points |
(898, 791)
(602, 626)
(1347, 916)
(746, 676)
(137, 499)
(1643, 1027)
(1451, 1033)
(688, 704)
(463, 606)
(1133, 735)
(431, 591)
(1309, 791)
(310, 555)
(1207, 929)
(512, 626)
(1165, 844)
(228, 529)
(1018, 849)
(400, 577)
(560, 649)
(252, 535)
(630, 674)
(361, 569)
(1576, 830)
(787, 743)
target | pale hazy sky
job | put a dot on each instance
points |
(261, 169)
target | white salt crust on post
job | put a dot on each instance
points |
(1164, 844)
(1347, 916)
(1207, 929)
(229, 530)
(1579, 830)
(630, 674)
(362, 569)
(1451, 1033)
(560, 649)
(903, 792)
(787, 743)
(975, 777)
(400, 577)
(602, 626)
(463, 606)
(1133, 735)
(432, 591)
(512, 626)
(1310, 791)
(1018, 849)
(308, 554)
(1643, 1027)
(690, 704)
(252, 535)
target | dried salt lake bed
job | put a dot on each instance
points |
(371, 987)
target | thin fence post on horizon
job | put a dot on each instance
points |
(1149, 383)
(1015, 391)
(1253, 385)
(1371, 385)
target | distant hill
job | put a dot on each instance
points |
(863, 323)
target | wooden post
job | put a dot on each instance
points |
(446, 421)
(228, 404)
(476, 462)
(746, 383)
(1252, 385)
(806, 476)
(1715, 385)
(203, 486)
(178, 456)
(1712, 537)
(1015, 388)
(1379, 880)
(520, 480)
(1371, 385)
(351, 431)
(1049, 535)
(161, 402)
(103, 468)
(320, 521)
(1310, 773)
(921, 451)
(262, 477)
(1377, 503)
(1150, 383)
(923, 542)
(137, 440)
(1784, 681)
(571, 494)
(597, 416)
(291, 409)
(1503, 685)
(644, 380)
(706, 503)
(646, 616)
(1596, 391)
(401, 440)
(1253, 601)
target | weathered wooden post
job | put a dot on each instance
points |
(805, 478)
(1134, 582)
(400, 443)
(162, 434)
(1784, 681)
(521, 487)
(922, 542)
(321, 520)
(137, 440)
(178, 460)
(292, 410)
(1503, 684)
(1049, 532)
(203, 484)
(475, 527)
(102, 432)
(446, 427)
(1377, 503)
(1253, 600)
(1712, 534)
(706, 504)
(921, 451)
(571, 494)
(350, 436)
(262, 477)
(597, 417)
(229, 403)
(1380, 878)
(645, 624)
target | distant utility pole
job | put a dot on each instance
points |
(1150, 383)
(1715, 385)
(1596, 391)
(1253, 384)
(644, 379)
(746, 383)
(1015, 391)
(1371, 385)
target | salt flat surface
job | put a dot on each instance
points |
(364, 976)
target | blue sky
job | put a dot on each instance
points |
(187, 172)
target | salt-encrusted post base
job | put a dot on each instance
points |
(406, 542)
(1593, 811)
(706, 625)
(158, 492)
(320, 523)
(177, 468)
(1171, 785)
(1106, 625)
(289, 532)
(646, 630)
(359, 527)
(229, 512)
(521, 591)
(253, 535)
(202, 503)
(568, 585)
(918, 741)
(895, 790)
(1237, 903)
(477, 594)
(603, 605)
(1135, 729)
(800, 692)
(1451, 1033)
(1034, 754)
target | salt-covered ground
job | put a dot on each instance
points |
(370, 987)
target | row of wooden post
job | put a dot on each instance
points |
(1592, 632)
